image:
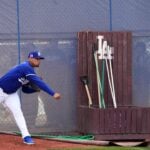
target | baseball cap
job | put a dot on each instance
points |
(35, 54)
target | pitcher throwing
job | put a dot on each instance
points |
(23, 76)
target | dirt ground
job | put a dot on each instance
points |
(12, 142)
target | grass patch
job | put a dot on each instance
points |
(106, 148)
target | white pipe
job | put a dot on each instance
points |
(113, 88)
(98, 80)
(110, 78)
(110, 83)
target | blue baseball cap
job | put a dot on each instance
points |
(35, 54)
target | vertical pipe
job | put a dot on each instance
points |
(18, 34)
(110, 15)
(18, 30)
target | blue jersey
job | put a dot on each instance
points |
(21, 75)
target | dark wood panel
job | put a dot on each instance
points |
(148, 119)
(117, 122)
(139, 120)
(133, 121)
(94, 125)
(91, 67)
(120, 70)
(125, 119)
(121, 66)
(144, 119)
(82, 66)
(125, 69)
(114, 121)
(128, 120)
(129, 69)
(101, 121)
(94, 77)
(116, 137)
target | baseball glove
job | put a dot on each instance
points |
(30, 88)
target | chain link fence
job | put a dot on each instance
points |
(51, 27)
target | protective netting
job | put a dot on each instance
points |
(42, 113)
(51, 27)
(141, 71)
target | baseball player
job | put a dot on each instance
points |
(23, 76)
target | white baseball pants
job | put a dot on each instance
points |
(12, 101)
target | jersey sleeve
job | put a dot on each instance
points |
(33, 78)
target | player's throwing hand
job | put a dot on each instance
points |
(57, 96)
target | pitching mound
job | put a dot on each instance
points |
(12, 142)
